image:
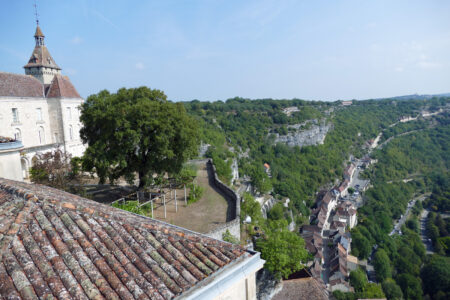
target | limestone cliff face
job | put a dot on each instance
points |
(314, 135)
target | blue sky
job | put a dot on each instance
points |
(211, 50)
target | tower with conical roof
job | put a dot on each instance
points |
(41, 64)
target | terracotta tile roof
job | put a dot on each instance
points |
(327, 198)
(62, 87)
(301, 289)
(16, 85)
(310, 228)
(343, 185)
(316, 269)
(41, 58)
(58, 245)
(337, 224)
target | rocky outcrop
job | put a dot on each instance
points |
(314, 135)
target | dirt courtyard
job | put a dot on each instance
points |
(201, 216)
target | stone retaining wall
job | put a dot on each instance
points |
(234, 201)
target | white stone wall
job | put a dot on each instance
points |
(73, 143)
(49, 133)
(245, 289)
(43, 74)
(28, 124)
(10, 165)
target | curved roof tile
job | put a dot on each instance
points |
(55, 244)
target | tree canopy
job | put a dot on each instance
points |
(136, 131)
(283, 251)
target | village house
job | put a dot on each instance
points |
(405, 119)
(329, 201)
(343, 188)
(346, 213)
(348, 171)
(352, 263)
(339, 271)
(346, 103)
(338, 226)
(39, 111)
(289, 110)
(55, 244)
(314, 244)
(302, 286)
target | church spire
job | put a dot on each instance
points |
(41, 64)
(39, 36)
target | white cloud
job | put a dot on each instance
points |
(398, 69)
(139, 66)
(426, 64)
(76, 40)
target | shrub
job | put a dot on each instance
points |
(228, 237)
(195, 192)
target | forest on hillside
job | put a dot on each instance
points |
(413, 161)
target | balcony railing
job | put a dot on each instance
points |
(11, 145)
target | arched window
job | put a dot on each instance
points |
(17, 134)
(71, 132)
(41, 134)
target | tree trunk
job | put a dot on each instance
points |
(142, 181)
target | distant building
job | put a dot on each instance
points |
(349, 171)
(289, 110)
(302, 288)
(234, 171)
(39, 109)
(346, 213)
(343, 188)
(405, 119)
(352, 262)
(346, 103)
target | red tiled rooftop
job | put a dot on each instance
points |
(301, 289)
(57, 245)
(62, 87)
(16, 85)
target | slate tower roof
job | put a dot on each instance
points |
(41, 56)
(57, 245)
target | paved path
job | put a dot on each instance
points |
(423, 231)
(327, 252)
(404, 217)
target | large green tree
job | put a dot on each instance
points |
(283, 251)
(382, 265)
(136, 131)
(392, 290)
(358, 279)
(436, 275)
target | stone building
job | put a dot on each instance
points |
(39, 109)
